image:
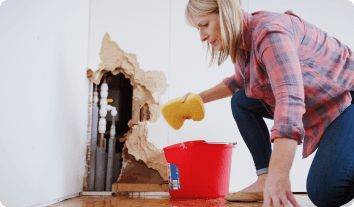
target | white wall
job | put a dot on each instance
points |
(157, 33)
(44, 100)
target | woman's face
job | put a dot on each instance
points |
(209, 29)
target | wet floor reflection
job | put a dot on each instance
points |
(154, 199)
(147, 201)
(208, 202)
(191, 202)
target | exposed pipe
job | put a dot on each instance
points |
(105, 160)
(101, 152)
(94, 140)
(102, 170)
(111, 151)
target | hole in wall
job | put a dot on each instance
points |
(120, 95)
(145, 103)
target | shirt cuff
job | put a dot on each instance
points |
(287, 131)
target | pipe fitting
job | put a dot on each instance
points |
(103, 112)
(109, 107)
(102, 125)
(114, 111)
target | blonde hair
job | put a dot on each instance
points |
(230, 15)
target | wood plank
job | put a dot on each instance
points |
(128, 187)
(115, 187)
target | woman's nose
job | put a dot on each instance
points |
(203, 37)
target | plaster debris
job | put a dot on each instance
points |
(137, 172)
(148, 87)
(142, 150)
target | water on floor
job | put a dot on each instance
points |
(151, 199)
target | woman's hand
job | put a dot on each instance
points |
(277, 191)
(185, 97)
(183, 100)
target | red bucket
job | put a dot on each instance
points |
(199, 169)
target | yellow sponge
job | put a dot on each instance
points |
(175, 112)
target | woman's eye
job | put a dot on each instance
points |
(204, 26)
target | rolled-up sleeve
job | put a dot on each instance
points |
(276, 50)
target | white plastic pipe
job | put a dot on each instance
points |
(101, 152)
(103, 110)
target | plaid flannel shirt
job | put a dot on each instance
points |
(301, 74)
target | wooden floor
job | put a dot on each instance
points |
(159, 199)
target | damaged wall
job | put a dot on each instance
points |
(141, 28)
(148, 87)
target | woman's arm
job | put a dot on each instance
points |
(215, 93)
(282, 155)
(277, 189)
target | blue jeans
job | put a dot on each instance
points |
(330, 181)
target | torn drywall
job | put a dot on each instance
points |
(86, 181)
(137, 172)
(147, 90)
(138, 146)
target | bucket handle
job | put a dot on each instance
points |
(233, 143)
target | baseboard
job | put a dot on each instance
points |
(52, 202)
(144, 194)
(97, 193)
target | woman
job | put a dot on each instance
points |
(287, 70)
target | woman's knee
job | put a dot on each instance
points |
(315, 194)
(326, 193)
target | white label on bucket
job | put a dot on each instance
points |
(173, 177)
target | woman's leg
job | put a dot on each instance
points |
(248, 115)
(330, 181)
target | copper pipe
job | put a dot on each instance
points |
(101, 140)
